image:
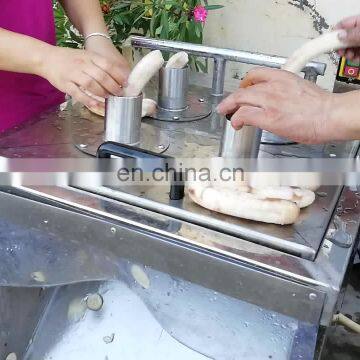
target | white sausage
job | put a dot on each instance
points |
(148, 108)
(321, 45)
(178, 61)
(242, 204)
(146, 68)
(301, 197)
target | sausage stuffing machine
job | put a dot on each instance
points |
(108, 270)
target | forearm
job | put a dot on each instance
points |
(20, 53)
(86, 16)
(345, 116)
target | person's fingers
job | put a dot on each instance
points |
(349, 54)
(348, 23)
(235, 100)
(259, 95)
(105, 80)
(86, 82)
(248, 115)
(263, 74)
(117, 72)
(351, 37)
(74, 91)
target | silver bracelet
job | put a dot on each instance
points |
(96, 34)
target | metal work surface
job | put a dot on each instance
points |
(200, 139)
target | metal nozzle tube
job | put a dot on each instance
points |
(173, 88)
(123, 119)
(243, 143)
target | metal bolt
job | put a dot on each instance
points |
(94, 302)
(176, 118)
(201, 100)
(113, 230)
(312, 296)
(161, 147)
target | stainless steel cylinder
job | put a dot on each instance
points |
(244, 143)
(123, 119)
(173, 88)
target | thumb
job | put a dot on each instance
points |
(351, 37)
(248, 115)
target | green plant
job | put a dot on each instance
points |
(181, 20)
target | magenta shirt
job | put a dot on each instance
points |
(22, 96)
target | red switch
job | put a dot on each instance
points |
(351, 71)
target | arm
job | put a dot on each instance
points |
(86, 16)
(15, 55)
(345, 116)
(289, 106)
(100, 69)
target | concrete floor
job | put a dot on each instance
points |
(342, 344)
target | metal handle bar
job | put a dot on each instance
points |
(220, 56)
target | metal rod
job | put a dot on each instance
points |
(213, 52)
(219, 76)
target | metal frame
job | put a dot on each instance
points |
(221, 56)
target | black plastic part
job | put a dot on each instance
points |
(110, 148)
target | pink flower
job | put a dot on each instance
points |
(200, 13)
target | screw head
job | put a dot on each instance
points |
(113, 230)
(312, 296)
(201, 100)
(176, 118)
(94, 302)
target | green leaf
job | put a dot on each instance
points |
(165, 25)
(213, 7)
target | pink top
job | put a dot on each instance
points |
(22, 96)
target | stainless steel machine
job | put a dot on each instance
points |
(98, 271)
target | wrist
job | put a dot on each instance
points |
(95, 39)
(343, 121)
(41, 58)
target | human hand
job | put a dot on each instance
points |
(283, 103)
(105, 48)
(352, 35)
(80, 72)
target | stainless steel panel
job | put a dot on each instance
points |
(138, 323)
(53, 245)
